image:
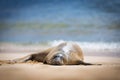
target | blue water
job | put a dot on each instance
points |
(70, 20)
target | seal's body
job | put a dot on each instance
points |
(62, 54)
(65, 53)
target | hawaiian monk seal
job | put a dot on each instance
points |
(62, 54)
(65, 54)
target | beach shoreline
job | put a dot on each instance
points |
(109, 70)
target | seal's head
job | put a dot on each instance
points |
(56, 59)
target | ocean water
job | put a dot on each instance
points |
(60, 31)
(91, 23)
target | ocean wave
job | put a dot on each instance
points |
(90, 45)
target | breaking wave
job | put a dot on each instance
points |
(90, 45)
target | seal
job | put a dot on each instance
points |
(63, 54)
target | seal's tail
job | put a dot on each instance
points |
(5, 62)
(18, 60)
(21, 60)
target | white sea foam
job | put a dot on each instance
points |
(90, 45)
(55, 42)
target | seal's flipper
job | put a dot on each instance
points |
(85, 63)
(21, 60)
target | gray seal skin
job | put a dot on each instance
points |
(62, 54)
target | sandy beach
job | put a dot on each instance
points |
(109, 70)
(30, 26)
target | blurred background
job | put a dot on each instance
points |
(95, 22)
(32, 25)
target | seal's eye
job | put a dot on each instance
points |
(56, 56)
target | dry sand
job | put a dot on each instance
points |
(109, 70)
